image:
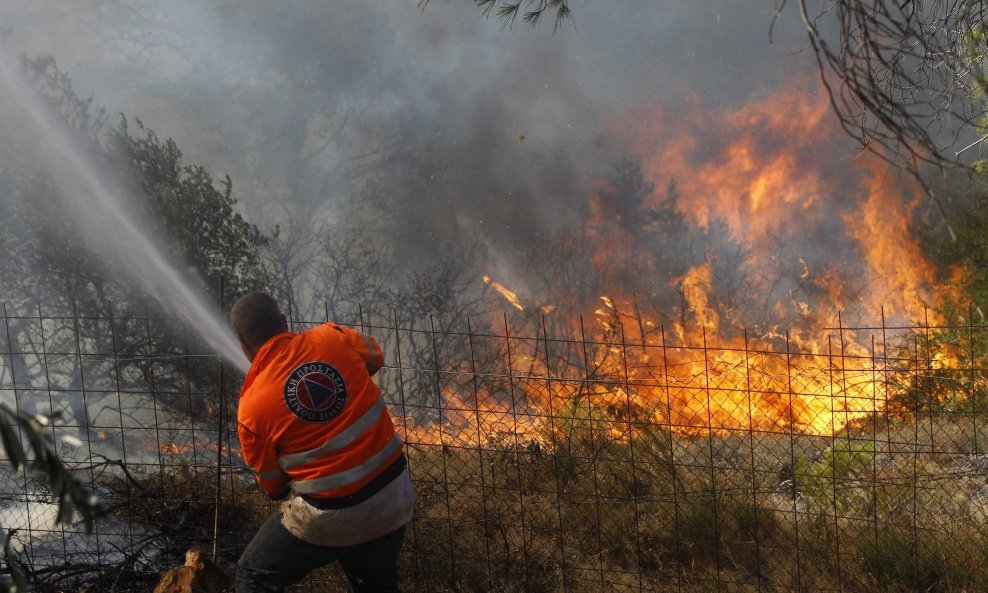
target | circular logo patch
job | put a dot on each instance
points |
(315, 392)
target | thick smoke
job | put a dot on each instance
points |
(442, 119)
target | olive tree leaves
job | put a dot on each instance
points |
(30, 448)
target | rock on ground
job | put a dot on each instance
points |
(199, 575)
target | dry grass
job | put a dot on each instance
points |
(883, 507)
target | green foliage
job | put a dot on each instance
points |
(946, 364)
(40, 457)
(826, 482)
(975, 56)
(78, 114)
(962, 253)
(196, 219)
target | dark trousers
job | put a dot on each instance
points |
(275, 559)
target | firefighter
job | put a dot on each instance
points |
(314, 430)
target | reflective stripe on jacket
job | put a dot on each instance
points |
(311, 418)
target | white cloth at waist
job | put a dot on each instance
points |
(387, 510)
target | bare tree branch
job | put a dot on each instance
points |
(906, 79)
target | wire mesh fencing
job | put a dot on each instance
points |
(546, 458)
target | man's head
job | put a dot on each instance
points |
(256, 319)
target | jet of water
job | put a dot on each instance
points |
(109, 228)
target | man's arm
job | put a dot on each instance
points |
(263, 462)
(367, 348)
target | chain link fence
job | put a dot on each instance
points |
(546, 458)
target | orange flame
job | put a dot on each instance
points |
(881, 226)
(696, 285)
(505, 292)
(813, 232)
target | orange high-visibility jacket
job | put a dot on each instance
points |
(311, 419)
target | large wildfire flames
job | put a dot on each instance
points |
(786, 236)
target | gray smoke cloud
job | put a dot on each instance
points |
(328, 103)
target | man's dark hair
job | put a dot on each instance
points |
(256, 318)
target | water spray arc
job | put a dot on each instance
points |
(103, 213)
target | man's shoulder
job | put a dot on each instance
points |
(252, 398)
(329, 327)
(267, 385)
(326, 332)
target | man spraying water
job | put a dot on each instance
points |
(315, 431)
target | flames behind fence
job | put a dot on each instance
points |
(544, 462)
(714, 257)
